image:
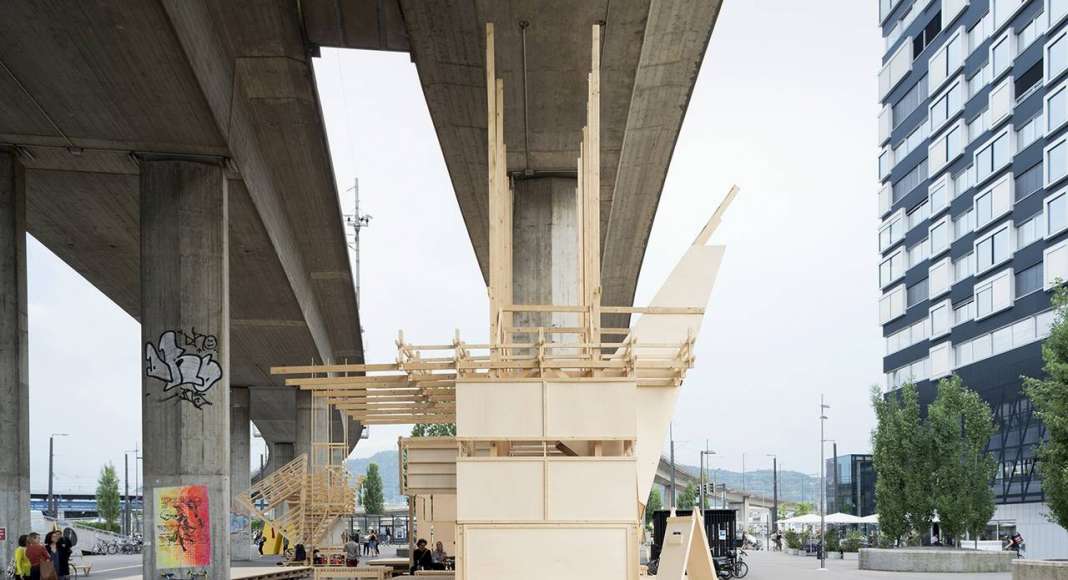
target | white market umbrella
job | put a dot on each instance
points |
(872, 519)
(842, 518)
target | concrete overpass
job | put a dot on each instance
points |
(686, 475)
(652, 51)
(173, 153)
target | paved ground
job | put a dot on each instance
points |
(129, 566)
(780, 566)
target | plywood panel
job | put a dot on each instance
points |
(592, 410)
(561, 553)
(427, 483)
(499, 409)
(573, 497)
(445, 455)
(504, 490)
(689, 285)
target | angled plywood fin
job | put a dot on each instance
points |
(685, 554)
(688, 286)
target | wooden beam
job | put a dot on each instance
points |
(717, 217)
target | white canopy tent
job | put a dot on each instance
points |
(842, 518)
(872, 519)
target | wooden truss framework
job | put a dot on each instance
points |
(304, 497)
(419, 387)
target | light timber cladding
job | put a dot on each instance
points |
(592, 552)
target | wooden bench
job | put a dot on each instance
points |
(356, 573)
(80, 569)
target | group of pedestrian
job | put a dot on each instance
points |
(370, 544)
(48, 560)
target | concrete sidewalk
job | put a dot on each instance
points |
(780, 566)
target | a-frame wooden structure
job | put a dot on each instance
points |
(559, 427)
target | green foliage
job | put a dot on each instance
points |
(652, 504)
(1050, 398)
(904, 458)
(112, 527)
(831, 540)
(434, 430)
(793, 540)
(803, 508)
(852, 542)
(371, 491)
(688, 498)
(107, 495)
(960, 425)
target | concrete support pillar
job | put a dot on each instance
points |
(240, 472)
(545, 248)
(185, 315)
(14, 368)
(304, 424)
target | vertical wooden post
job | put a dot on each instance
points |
(592, 193)
(500, 203)
(491, 163)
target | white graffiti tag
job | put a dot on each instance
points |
(193, 375)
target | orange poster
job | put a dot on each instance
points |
(183, 534)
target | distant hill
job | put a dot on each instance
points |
(387, 468)
(794, 486)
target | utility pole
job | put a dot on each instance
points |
(52, 507)
(774, 492)
(126, 495)
(357, 222)
(834, 479)
(671, 435)
(823, 502)
(704, 476)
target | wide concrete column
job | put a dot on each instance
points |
(185, 313)
(304, 425)
(545, 248)
(14, 367)
(240, 472)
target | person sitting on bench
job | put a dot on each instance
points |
(421, 558)
(438, 557)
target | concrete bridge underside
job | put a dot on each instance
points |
(174, 154)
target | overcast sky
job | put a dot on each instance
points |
(785, 106)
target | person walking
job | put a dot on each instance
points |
(22, 563)
(352, 553)
(59, 551)
(38, 556)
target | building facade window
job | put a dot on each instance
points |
(1056, 213)
(992, 249)
(1029, 280)
(1029, 181)
(1029, 231)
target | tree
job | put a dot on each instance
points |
(903, 456)
(371, 491)
(688, 499)
(961, 425)
(652, 504)
(434, 430)
(1050, 398)
(107, 495)
(802, 508)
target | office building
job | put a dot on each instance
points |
(973, 210)
(850, 481)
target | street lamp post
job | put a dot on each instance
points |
(51, 473)
(774, 492)
(823, 503)
(671, 434)
(704, 477)
(127, 520)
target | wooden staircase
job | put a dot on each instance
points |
(301, 502)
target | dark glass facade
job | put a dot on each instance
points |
(851, 485)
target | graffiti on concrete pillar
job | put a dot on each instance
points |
(186, 364)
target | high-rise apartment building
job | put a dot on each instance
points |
(973, 210)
